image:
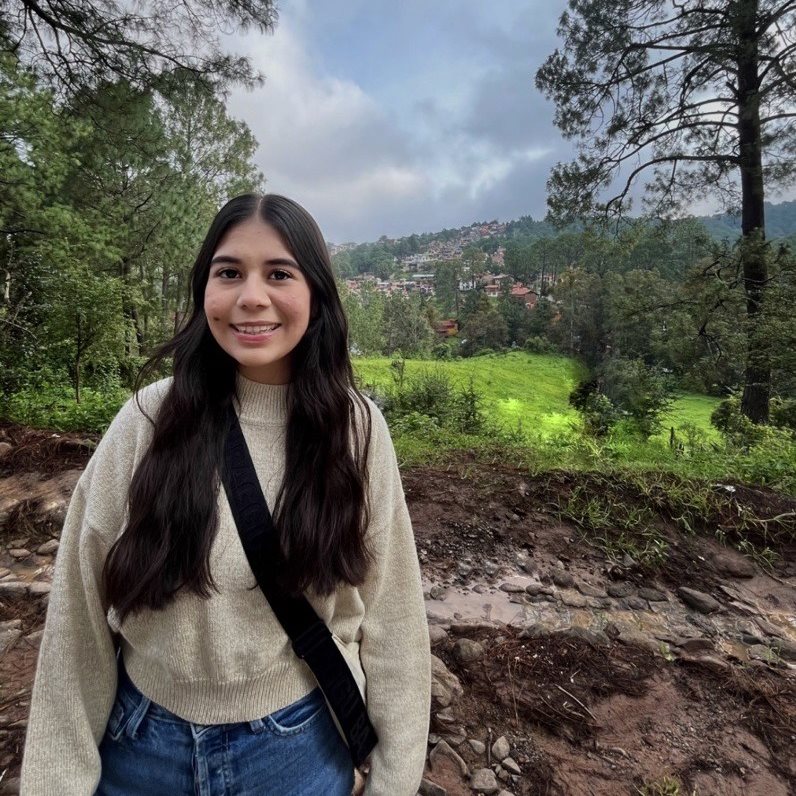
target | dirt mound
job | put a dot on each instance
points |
(611, 719)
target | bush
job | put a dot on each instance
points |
(783, 413)
(539, 345)
(431, 394)
(738, 429)
(598, 412)
(641, 391)
(55, 408)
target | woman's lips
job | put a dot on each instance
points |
(254, 334)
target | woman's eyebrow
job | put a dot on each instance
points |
(229, 259)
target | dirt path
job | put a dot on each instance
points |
(559, 668)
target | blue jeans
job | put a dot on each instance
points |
(148, 750)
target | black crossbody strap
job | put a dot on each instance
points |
(312, 640)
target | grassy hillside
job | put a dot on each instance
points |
(531, 389)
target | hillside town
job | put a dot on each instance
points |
(415, 273)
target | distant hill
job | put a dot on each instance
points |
(780, 222)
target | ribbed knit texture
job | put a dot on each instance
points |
(226, 658)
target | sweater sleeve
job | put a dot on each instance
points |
(75, 683)
(394, 648)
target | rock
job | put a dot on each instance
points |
(628, 562)
(590, 591)
(429, 788)
(19, 553)
(619, 589)
(511, 587)
(455, 739)
(479, 588)
(466, 650)
(636, 639)
(9, 633)
(595, 638)
(510, 765)
(769, 628)
(573, 599)
(501, 748)
(653, 595)
(718, 665)
(491, 568)
(437, 592)
(563, 580)
(443, 749)
(5, 449)
(698, 600)
(436, 634)
(534, 588)
(4, 571)
(48, 548)
(534, 630)
(479, 747)
(760, 652)
(784, 648)
(505, 793)
(445, 716)
(636, 603)
(484, 781)
(752, 638)
(39, 587)
(612, 630)
(733, 565)
(11, 587)
(703, 623)
(34, 638)
(445, 686)
(695, 646)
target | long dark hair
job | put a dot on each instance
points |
(321, 511)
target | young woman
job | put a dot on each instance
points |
(163, 669)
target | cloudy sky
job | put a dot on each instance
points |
(386, 118)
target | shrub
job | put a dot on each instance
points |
(783, 413)
(539, 345)
(598, 412)
(431, 394)
(643, 392)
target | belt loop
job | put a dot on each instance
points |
(137, 717)
(257, 726)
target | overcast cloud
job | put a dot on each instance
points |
(385, 119)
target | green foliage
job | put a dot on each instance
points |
(641, 392)
(599, 413)
(429, 401)
(55, 408)
(405, 325)
(783, 413)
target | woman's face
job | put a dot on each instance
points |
(257, 301)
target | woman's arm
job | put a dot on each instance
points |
(394, 648)
(75, 682)
(76, 672)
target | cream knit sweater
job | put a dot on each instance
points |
(225, 658)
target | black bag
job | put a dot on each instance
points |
(312, 640)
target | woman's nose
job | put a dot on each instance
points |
(254, 293)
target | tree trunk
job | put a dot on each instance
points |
(757, 387)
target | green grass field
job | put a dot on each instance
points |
(530, 389)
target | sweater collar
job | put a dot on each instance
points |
(263, 404)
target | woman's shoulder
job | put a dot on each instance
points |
(130, 432)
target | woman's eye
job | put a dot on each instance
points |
(226, 273)
(281, 275)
